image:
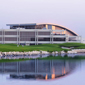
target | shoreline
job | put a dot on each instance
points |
(29, 53)
(45, 58)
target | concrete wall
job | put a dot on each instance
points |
(35, 36)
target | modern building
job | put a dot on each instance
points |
(37, 34)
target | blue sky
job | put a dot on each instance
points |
(69, 13)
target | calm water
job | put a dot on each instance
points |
(52, 72)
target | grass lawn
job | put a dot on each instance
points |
(44, 47)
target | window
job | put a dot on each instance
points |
(44, 27)
(49, 26)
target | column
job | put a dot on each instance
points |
(2, 37)
(50, 37)
(17, 37)
(35, 36)
(80, 39)
(67, 37)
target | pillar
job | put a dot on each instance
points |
(67, 38)
(2, 36)
(17, 37)
(35, 37)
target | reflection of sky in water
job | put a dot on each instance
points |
(38, 69)
(51, 69)
(71, 55)
(75, 78)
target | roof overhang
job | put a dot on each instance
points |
(63, 27)
(30, 24)
(21, 24)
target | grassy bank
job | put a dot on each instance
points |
(44, 47)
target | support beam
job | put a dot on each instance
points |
(2, 36)
(35, 37)
(80, 39)
(17, 37)
(52, 38)
(67, 38)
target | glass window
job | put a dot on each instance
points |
(49, 26)
(44, 27)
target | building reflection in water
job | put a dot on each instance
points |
(38, 69)
(53, 73)
(46, 77)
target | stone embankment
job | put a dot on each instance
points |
(23, 53)
(41, 52)
(30, 53)
(76, 51)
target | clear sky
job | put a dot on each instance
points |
(69, 13)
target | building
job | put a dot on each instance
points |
(26, 34)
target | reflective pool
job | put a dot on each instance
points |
(38, 69)
(61, 72)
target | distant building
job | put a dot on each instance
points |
(26, 34)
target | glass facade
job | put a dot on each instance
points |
(49, 26)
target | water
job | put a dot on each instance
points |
(43, 72)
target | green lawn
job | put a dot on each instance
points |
(44, 47)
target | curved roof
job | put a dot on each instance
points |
(65, 28)
(26, 24)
